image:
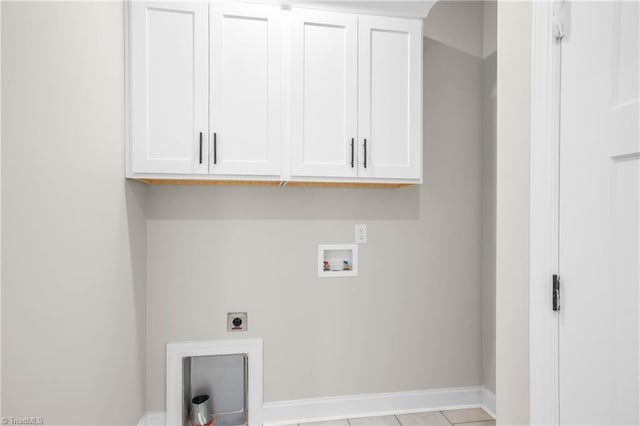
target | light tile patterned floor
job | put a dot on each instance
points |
(466, 417)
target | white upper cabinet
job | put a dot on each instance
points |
(246, 89)
(239, 91)
(324, 90)
(356, 78)
(390, 98)
(169, 87)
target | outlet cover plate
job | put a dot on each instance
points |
(236, 322)
(361, 234)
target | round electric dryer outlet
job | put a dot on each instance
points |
(236, 321)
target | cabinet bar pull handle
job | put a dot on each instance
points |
(365, 153)
(352, 153)
(200, 148)
(215, 148)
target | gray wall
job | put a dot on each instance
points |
(489, 197)
(73, 231)
(470, 26)
(411, 320)
(512, 239)
(458, 24)
(489, 222)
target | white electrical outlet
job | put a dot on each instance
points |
(361, 234)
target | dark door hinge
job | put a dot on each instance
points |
(556, 292)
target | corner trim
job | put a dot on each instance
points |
(543, 214)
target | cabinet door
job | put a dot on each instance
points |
(169, 87)
(390, 98)
(246, 75)
(324, 94)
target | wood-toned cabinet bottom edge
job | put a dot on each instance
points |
(381, 185)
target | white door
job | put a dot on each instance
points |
(324, 94)
(599, 320)
(169, 87)
(390, 98)
(246, 66)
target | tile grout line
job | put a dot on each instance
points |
(442, 413)
(445, 417)
(470, 421)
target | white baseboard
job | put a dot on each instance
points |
(369, 405)
(488, 401)
(153, 418)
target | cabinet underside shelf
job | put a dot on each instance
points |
(151, 181)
